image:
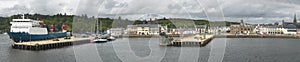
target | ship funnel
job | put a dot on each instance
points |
(63, 28)
(52, 28)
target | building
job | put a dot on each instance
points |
(200, 28)
(269, 30)
(164, 29)
(117, 31)
(241, 28)
(177, 31)
(184, 31)
(217, 27)
(131, 29)
(290, 27)
(298, 29)
(143, 29)
(238, 29)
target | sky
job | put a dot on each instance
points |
(251, 11)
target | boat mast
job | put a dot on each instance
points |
(97, 27)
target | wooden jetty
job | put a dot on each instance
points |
(188, 41)
(48, 44)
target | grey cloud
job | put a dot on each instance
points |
(174, 6)
(233, 10)
(14, 10)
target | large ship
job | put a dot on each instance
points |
(25, 30)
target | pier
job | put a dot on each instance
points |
(188, 41)
(48, 44)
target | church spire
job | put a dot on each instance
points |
(283, 22)
(295, 19)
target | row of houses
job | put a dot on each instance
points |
(155, 29)
(214, 28)
(290, 28)
(139, 29)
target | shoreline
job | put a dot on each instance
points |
(257, 36)
(217, 36)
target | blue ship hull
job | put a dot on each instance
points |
(25, 37)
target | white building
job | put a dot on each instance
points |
(270, 30)
(131, 29)
(200, 28)
(143, 29)
(288, 29)
(116, 31)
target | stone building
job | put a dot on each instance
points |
(241, 28)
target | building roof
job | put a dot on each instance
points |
(235, 25)
(131, 26)
(289, 26)
(273, 26)
(298, 26)
(287, 23)
(200, 26)
(148, 25)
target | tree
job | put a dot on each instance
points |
(276, 23)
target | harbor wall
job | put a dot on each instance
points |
(257, 36)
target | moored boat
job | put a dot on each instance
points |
(25, 30)
(5, 33)
(100, 40)
(111, 38)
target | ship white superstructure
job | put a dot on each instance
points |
(27, 25)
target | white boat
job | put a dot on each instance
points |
(111, 38)
(5, 33)
(100, 40)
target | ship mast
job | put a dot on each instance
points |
(97, 27)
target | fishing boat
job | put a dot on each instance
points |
(25, 30)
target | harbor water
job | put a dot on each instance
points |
(148, 50)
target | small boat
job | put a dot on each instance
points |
(5, 33)
(99, 40)
(111, 38)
